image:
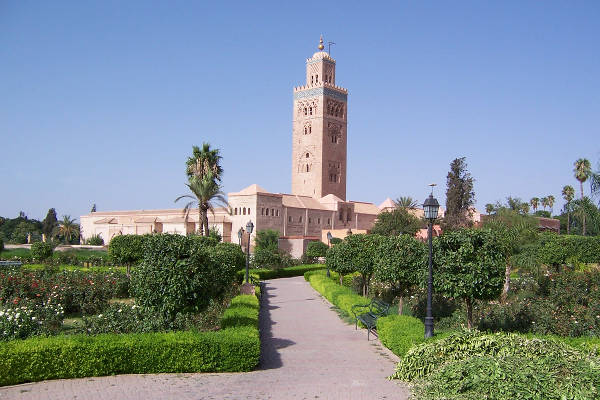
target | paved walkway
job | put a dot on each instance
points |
(307, 353)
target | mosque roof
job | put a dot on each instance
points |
(252, 189)
(296, 201)
(365, 208)
(322, 54)
(387, 203)
(330, 198)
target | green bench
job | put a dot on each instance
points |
(367, 314)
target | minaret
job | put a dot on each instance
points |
(319, 131)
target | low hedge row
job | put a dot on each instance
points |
(264, 274)
(400, 332)
(396, 332)
(235, 348)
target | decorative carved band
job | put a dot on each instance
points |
(320, 91)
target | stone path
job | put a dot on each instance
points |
(307, 353)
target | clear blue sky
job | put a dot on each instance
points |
(101, 101)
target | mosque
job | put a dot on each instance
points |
(317, 203)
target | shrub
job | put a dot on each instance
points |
(243, 311)
(179, 275)
(514, 367)
(27, 319)
(41, 250)
(335, 241)
(400, 332)
(337, 259)
(1, 244)
(95, 240)
(125, 318)
(564, 249)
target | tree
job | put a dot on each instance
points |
(337, 259)
(50, 223)
(206, 191)
(582, 171)
(469, 264)
(460, 196)
(93, 208)
(396, 222)
(535, 202)
(205, 161)
(513, 231)
(544, 202)
(524, 208)
(267, 239)
(68, 229)
(316, 249)
(550, 200)
(489, 208)
(362, 256)
(401, 262)
(406, 202)
(568, 193)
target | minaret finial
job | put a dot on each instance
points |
(321, 46)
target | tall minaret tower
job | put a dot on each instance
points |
(319, 131)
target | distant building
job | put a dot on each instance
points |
(317, 204)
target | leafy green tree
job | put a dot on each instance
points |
(514, 231)
(543, 214)
(469, 264)
(584, 210)
(338, 259)
(362, 256)
(460, 196)
(406, 202)
(267, 239)
(524, 208)
(535, 202)
(568, 194)
(316, 249)
(266, 249)
(206, 192)
(400, 262)
(50, 223)
(489, 208)
(68, 229)
(396, 222)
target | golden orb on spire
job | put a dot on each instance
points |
(321, 46)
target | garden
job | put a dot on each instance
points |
(171, 305)
(539, 341)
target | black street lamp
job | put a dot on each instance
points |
(430, 208)
(329, 237)
(249, 228)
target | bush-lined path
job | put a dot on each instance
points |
(307, 353)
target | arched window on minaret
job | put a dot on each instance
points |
(310, 110)
(305, 111)
(307, 168)
(317, 78)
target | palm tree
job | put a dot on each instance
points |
(67, 228)
(582, 170)
(406, 202)
(568, 193)
(203, 162)
(489, 208)
(205, 191)
(550, 200)
(544, 202)
(525, 208)
(535, 202)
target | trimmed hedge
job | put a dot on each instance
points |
(400, 332)
(235, 348)
(562, 249)
(340, 296)
(264, 274)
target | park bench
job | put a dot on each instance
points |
(10, 263)
(367, 314)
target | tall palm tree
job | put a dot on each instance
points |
(406, 202)
(535, 202)
(568, 193)
(204, 161)
(544, 202)
(550, 200)
(582, 170)
(206, 192)
(67, 228)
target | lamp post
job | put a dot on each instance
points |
(329, 237)
(249, 228)
(430, 208)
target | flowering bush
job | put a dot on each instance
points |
(28, 319)
(77, 291)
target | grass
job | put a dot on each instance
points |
(10, 253)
